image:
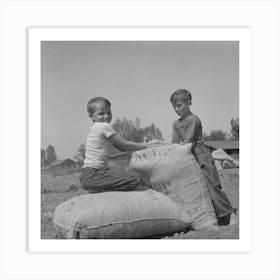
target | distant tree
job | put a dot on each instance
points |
(234, 129)
(152, 132)
(137, 124)
(50, 155)
(80, 157)
(215, 135)
(126, 129)
(43, 158)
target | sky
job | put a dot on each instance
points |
(138, 79)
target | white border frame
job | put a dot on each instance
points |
(243, 35)
(262, 16)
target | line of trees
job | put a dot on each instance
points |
(132, 131)
(222, 135)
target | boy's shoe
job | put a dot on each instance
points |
(224, 221)
(229, 219)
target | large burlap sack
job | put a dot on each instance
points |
(117, 215)
(173, 170)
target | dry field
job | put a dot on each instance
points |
(59, 186)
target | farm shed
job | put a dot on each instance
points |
(231, 147)
(63, 163)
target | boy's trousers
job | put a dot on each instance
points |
(109, 178)
(206, 162)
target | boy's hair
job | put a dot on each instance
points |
(181, 94)
(96, 103)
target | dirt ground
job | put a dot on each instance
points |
(59, 186)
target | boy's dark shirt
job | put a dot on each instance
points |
(188, 130)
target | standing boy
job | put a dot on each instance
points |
(188, 129)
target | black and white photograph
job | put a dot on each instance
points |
(140, 139)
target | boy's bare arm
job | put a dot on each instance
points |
(123, 145)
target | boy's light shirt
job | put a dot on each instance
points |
(98, 145)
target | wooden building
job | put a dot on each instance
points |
(64, 163)
(231, 147)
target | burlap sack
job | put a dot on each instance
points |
(223, 160)
(117, 215)
(173, 170)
